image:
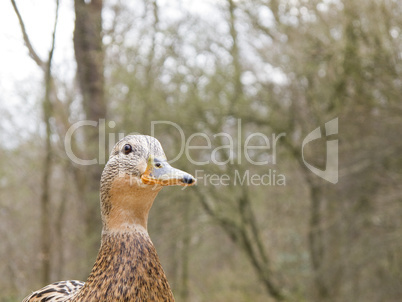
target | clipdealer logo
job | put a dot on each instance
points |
(236, 148)
(330, 173)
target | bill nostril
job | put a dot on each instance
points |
(188, 179)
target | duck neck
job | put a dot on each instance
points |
(127, 269)
(126, 204)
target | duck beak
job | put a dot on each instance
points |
(160, 172)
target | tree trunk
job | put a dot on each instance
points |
(185, 254)
(45, 198)
(89, 55)
(47, 165)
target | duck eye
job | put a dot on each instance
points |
(127, 149)
(158, 165)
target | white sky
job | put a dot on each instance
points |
(20, 77)
(38, 16)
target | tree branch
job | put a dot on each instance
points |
(54, 32)
(32, 52)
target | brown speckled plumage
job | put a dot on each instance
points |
(132, 258)
(127, 267)
(57, 291)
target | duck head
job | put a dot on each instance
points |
(136, 171)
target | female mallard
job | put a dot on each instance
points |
(127, 267)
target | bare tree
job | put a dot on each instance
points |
(46, 66)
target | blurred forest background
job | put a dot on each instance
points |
(276, 66)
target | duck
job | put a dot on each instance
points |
(127, 267)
